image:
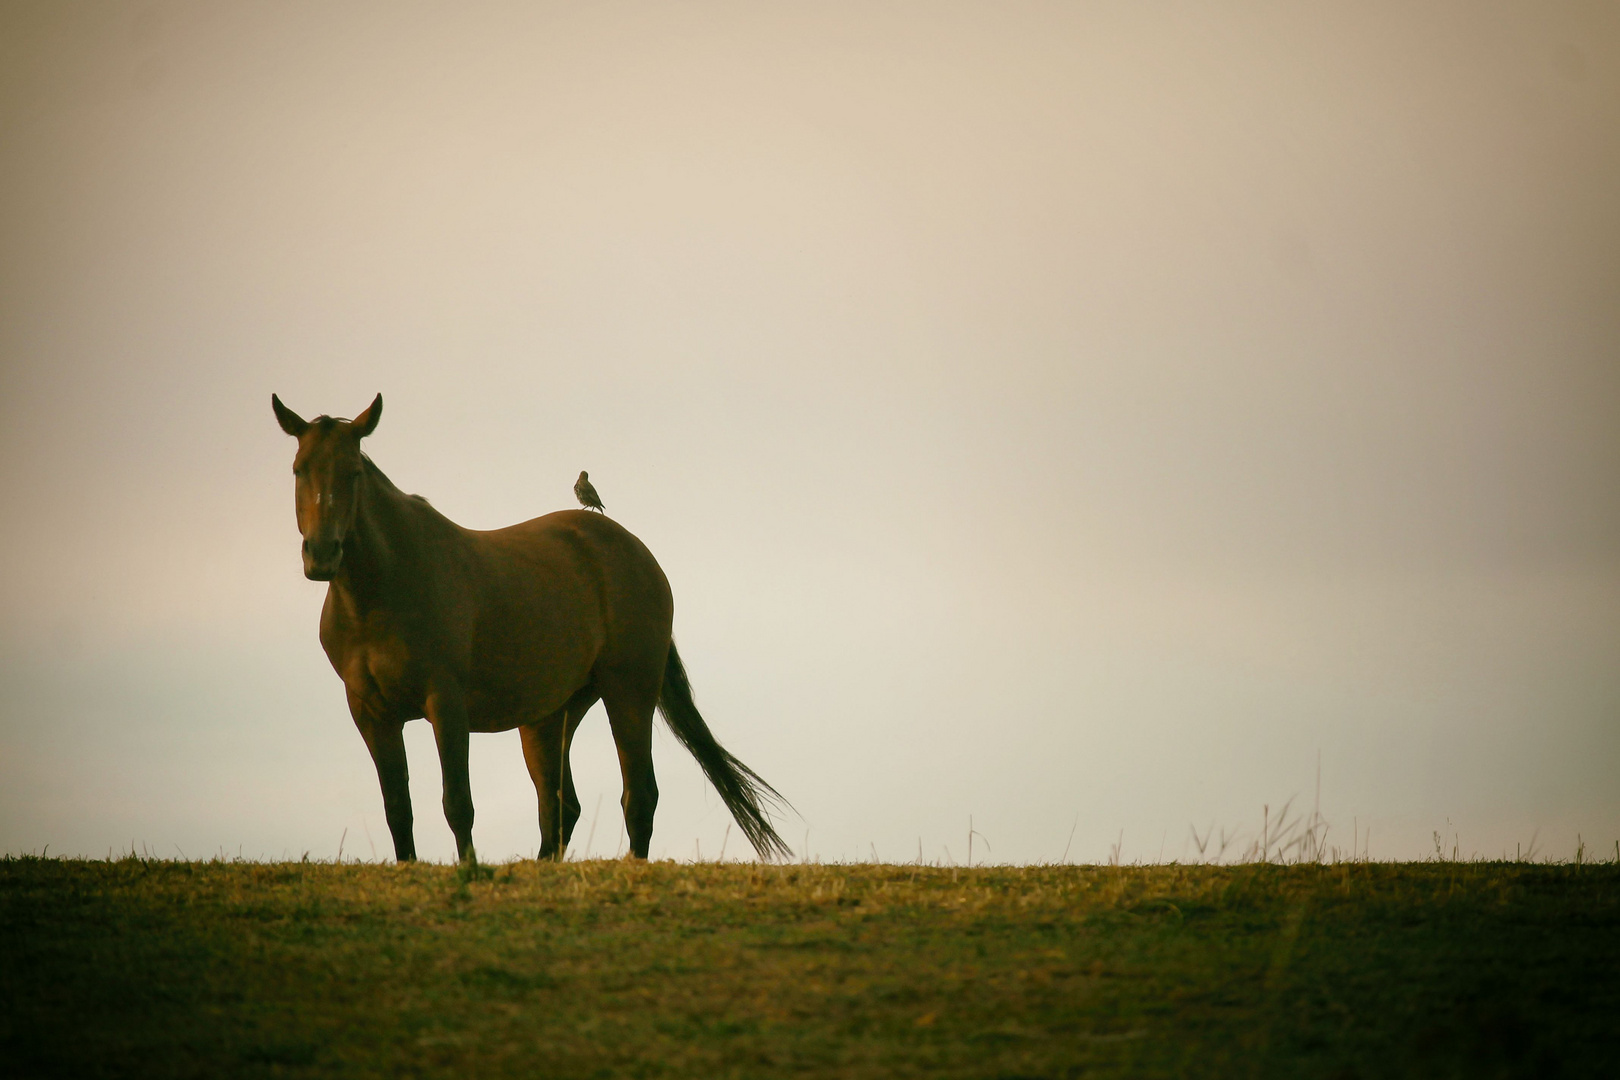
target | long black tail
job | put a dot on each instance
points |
(745, 794)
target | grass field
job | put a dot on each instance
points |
(1445, 969)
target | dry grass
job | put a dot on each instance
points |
(145, 967)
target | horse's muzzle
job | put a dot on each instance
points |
(322, 558)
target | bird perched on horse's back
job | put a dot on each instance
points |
(586, 494)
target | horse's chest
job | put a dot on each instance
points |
(383, 675)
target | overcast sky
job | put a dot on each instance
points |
(1083, 417)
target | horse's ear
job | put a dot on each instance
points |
(290, 422)
(366, 422)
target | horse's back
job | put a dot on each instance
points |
(577, 553)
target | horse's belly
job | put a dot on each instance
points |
(504, 700)
(527, 661)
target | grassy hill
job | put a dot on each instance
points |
(615, 969)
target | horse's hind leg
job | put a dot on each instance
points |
(545, 751)
(631, 713)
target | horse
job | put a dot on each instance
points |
(524, 627)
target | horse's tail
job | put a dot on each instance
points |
(744, 792)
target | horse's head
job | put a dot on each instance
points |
(327, 469)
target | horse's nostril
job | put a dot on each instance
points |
(323, 551)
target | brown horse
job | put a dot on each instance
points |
(525, 627)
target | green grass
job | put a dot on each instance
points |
(151, 968)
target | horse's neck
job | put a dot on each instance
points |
(393, 536)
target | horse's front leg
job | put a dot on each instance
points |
(386, 741)
(447, 711)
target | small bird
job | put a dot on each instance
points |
(587, 496)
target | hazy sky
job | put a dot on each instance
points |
(1076, 416)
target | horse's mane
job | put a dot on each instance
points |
(382, 478)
